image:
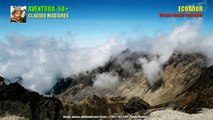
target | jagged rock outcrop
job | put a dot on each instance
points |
(16, 100)
(95, 105)
(182, 83)
(11, 107)
(199, 95)
(125, 64)
(1, 81)
(136, 104)
(185, 83)
(179, 74)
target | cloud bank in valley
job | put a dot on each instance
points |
(39, 61)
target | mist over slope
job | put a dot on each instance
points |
(39, 61)
(186, 38)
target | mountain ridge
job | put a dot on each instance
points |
(184, 83)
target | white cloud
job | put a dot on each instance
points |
(186, 38)
(40, 60)
(106, 81)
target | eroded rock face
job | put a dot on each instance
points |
(126, 64)
(178, 75)
(136, 104)
(95, 105)
(16, 100)
(17, 108)
(199, 95)
(185, 83)
(1, 81)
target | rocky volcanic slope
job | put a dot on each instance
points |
(16, 100)
(185, 83)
